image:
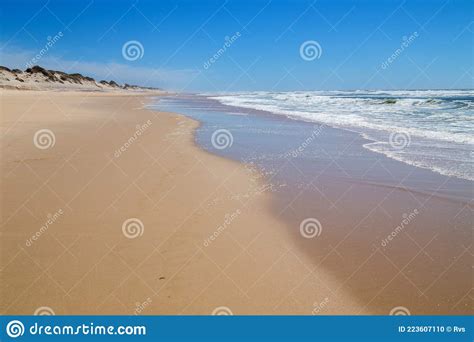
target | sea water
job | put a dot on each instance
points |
(432, 129)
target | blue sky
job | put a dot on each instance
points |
(356, 40)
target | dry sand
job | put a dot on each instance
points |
(82, 263)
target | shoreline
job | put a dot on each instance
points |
(359, 201)
(384, 119)
(90, 260)
(362, 140)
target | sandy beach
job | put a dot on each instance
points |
(396, 236)
(117, 211)
(303, 167)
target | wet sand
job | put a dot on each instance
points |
(393, 235)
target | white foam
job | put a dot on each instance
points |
(442, 120)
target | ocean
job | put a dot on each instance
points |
(432, 129)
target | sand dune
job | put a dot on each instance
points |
(38, 78)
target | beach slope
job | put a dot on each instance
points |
(110, 208)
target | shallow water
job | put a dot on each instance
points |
(433, 129)
(272, 141)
